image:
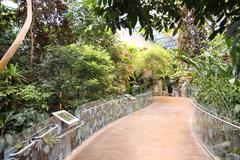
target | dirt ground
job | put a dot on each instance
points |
(161, 131)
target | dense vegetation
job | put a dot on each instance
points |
(215, 66)
(216, 78)
(71, 55)
(69, 60)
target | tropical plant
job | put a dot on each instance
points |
(153, 64)
(22, 105)
(80, 69)
(160, 62)
(94, 68)
(214, 82)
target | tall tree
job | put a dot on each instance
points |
(50, 27)
(190, 38)
(87, 27)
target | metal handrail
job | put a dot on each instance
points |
(22, 150)
(34, 140)
(70, 131)
(206, 149)
(102, 104)
(41, 130)
(223, 117)
(56, 131)
(214, 113)
(209, 113)
(44, 134)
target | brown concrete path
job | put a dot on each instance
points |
(162, 131)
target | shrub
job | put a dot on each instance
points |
(76, 69)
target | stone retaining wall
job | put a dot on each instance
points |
(60, 142)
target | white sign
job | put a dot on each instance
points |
(65, 117)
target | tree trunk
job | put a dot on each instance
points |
(32, 49)
(190, 38)
(20, 37)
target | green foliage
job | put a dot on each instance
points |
(97, 67)
(123, 69)
(14, 93)
(87, 27)
(34, 96)
(216, 47)
(7, 23)
(94, 69)
(80, 69)
(64, 57)
(7, 18)
(21, 105)
(208, 65)
(92, 30)
(233, 42)
(12, 122)
(139, 83)
(160, 62)
(155, 60)
(214, 81)
(221, 16)
(152, 64)
(49, 27)
(166, 14)
(150, 14)
(219, 94)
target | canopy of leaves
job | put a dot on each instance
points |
(50, 25)
(87, 27)
(150, 14)
(167, 14)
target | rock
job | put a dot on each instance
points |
(232, 156)
(220, 149)
(237, 108)
(9, 139)
(236, 140)
(2, 143)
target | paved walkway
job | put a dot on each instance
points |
(161, 131)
